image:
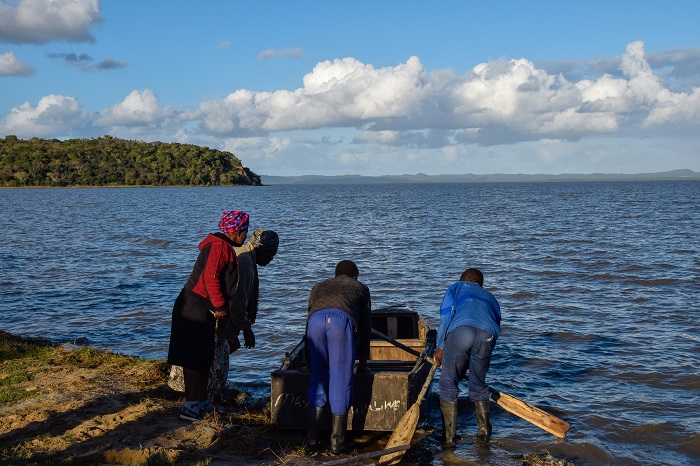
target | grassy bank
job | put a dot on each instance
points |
(78, 405)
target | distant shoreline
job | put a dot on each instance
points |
(673, 175)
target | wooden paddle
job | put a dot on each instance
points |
(530, 413)
(406, 427)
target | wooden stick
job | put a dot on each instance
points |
(362, 456)
(520, 408)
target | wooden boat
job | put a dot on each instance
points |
(380, 398)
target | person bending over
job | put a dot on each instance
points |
(338, 328)
(470, 323)
(202, 301)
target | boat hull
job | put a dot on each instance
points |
(380, 398)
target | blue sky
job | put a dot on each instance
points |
(365, 87)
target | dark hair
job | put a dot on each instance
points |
(348, 268)
(473, 275)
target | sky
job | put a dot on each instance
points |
(365, 87)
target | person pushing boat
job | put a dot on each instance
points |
(338, 327)
(470, 324)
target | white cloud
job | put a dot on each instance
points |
(41, 21)
(341, 93)
(499, 102)
(672, 107)
(139, 108)
(54, 115)
(380, 137)
(10, 65)
(110, 63)
(270, 54)
(382, 120)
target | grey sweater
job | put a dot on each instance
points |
(350, 296)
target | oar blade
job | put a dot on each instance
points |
(530, 413)
(403, 433)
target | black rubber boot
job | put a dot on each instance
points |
(340, 427)
(449, 422)
(482, 418)
(314, 423)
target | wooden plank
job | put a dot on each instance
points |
(530, 413)
(392, 328)
(383, 350)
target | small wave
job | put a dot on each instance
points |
(660, 281)
(691, 447)
(690, 337)
(685, 251)
(570, 337)
(154, 242)
(550, 273)
(605, 276)
(523, 295)
(129, 285)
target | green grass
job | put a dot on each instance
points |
(20, 360)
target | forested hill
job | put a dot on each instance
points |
(109, 161)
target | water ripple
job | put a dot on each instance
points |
(598, 283)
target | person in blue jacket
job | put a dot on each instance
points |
(470, 323)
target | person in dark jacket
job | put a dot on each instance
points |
(203, 300)
(338, 329)
(470, 324)
(243, 310)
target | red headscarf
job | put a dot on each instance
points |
(233, 221)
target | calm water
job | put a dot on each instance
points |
(598, 282)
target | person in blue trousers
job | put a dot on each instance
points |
(470, 324)
(338, 330)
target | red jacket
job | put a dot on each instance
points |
(215, 273)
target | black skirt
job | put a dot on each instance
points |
(192, 333)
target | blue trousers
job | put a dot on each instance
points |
(331, 343)
(466, 347)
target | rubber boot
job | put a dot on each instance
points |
(482, 419)
(340, 426)
(449, 422)
(314, 423)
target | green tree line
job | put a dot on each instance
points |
(109, 161)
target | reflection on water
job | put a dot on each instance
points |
(598, 283)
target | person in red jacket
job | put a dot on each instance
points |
(202, 301)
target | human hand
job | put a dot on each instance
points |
(219, 314)
(437, 357)
(249, 338)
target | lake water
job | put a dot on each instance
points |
(599, 286)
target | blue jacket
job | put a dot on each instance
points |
(466, 303)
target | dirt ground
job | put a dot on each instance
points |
(73, 405)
